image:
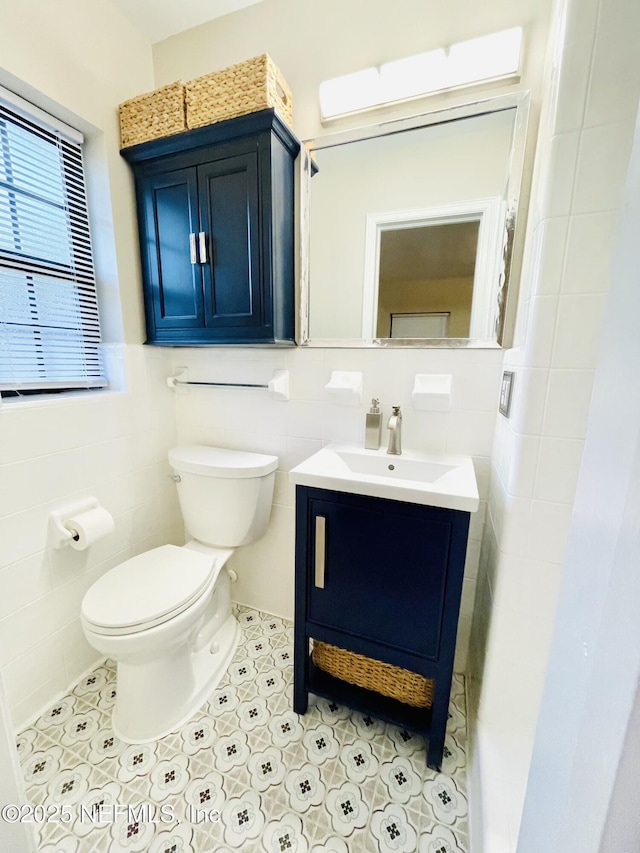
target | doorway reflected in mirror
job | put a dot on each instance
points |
(425, 280)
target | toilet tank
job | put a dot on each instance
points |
(225, 495)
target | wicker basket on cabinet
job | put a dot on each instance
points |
(153, 115)
(247, 87)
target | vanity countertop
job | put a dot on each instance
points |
(447, 481)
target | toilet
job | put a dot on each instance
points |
(165, 616)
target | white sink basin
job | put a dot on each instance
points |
(420, 478)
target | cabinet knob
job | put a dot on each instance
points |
(192, 249)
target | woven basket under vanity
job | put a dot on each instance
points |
(253, 85)
(383, 678)
(153, 115)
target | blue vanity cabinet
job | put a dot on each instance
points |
(216, 225)
(380, 578)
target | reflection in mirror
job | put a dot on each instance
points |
(425, 281)
(408, 228)
(449, 258)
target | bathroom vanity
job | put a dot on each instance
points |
(381, 576)
(216, 223)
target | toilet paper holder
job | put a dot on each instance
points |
(61, 535)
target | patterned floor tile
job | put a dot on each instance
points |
(444, 804)
(245, 772)
(400, 782)
(440, 839)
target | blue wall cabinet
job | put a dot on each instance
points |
(383, 579)
(216, 223)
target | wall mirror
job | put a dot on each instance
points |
(411, 226)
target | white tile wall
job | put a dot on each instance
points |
(586, 131)
(520, 481)
(556, 200)
(553, 243)
(587, 253)
(528, 399)
(557, 470)
(567, 404)
(543, 312)
(251, 420)
(577, 330)
(110, 445)
(547, 534)
(602, 164)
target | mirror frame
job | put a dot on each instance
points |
(506, 293)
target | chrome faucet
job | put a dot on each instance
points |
(394, 426)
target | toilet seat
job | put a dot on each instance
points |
(148, 590)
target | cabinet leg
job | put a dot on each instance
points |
(434, 755)
(300, 698)
(300, 673)
(439, 716)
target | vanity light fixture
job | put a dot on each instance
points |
(492, 57)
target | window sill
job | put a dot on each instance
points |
(38, 401)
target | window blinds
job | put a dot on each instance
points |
(49, 325)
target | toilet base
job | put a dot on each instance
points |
(157, 697)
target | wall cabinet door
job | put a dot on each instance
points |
(169, 216)
(229, 219)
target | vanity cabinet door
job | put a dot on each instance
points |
(378, 570)
(173, 283)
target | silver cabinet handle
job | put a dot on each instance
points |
(321, 522)
(203, 247)
(192, 248)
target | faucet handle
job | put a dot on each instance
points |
(396, 411)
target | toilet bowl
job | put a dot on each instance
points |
(165, 615)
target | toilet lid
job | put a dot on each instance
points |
(220, 462)
(148, 588)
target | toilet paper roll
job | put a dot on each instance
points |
(88, 527)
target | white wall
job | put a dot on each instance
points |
(587, 127)
(591, 685)
(80, 60)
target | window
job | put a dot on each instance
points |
(49, 326)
